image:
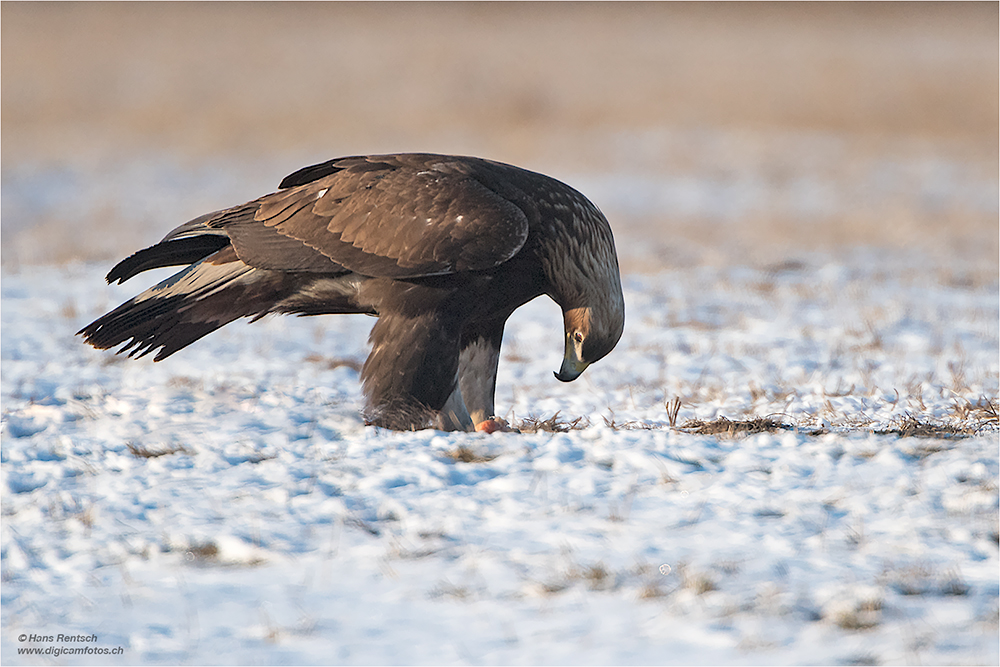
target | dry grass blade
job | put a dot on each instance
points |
(363, 525)
(990, 409)
(984, 410)
(673, 407)
(734, 429)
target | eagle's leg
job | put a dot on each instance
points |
(410, 377)
(477, 367)
(454, 416)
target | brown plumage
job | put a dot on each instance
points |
(441, 248)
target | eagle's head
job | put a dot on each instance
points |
(579, 260)
(594, 308)
(591, 332)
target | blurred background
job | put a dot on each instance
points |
(708, 133)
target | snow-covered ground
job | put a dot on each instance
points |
(229, 506)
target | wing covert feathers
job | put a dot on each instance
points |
(390, 216)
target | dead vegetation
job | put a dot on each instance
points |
(970, 419)
(141, 451)
(924, 579)
(631, 425)
(449, 590)
(865, 615)
(673, 408)
(208, 552)
(596, 577)
(740, 428)
(928, 446)
(465, 454)
(363, 525)
(651, 591)
(910, 426)
(983, 410)
(554, 424)
(720, 426)
(648, 582)
(205, 552)
(697, 582)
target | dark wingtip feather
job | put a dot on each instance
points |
(176, 252)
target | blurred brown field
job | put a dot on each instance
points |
(884, 115)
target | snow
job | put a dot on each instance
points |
(228, 505)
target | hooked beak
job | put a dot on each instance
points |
(572, 365)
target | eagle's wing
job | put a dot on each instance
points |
(394, 216)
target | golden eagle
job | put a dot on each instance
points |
(441, 248)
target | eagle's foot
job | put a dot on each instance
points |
(494, 424)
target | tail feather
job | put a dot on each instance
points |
(144, 327)
(190, 304)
